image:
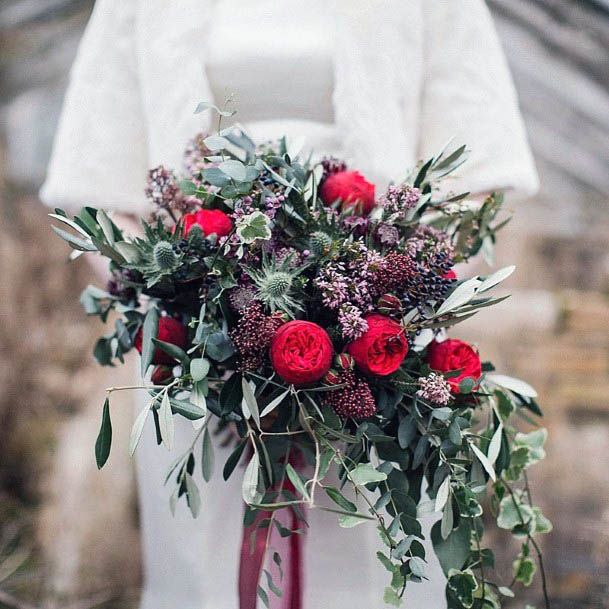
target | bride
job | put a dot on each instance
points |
(379, 82)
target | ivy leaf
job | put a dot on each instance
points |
(254, 226)
(391, 597)
(524, 570)
(104, 438)
(463, 584)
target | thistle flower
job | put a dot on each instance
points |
(355, 400)
(253, 334)
(276, 282)
(164, 256)
(435, 389)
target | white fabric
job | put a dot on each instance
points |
(408, 76)
(403, 78)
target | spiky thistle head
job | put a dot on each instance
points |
(164, 256)
(320, 243)
(275, 284)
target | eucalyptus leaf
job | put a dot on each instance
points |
(104, 438)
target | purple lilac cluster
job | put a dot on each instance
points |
(272, 203)
(194, 156)
(435, 389)
(398, 199)
(347, 286)
(162, 188)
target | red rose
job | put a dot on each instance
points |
(211, 221)
(170, 331)
(453, 354)
(351, 189)
(382, 348)
(450, 275)
(301, 352)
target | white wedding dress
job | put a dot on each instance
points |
(279, 59)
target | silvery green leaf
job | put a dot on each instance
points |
(274, 403)
(71, 224)
(106, 226)
(128, 251)
(365, 473)
(199, 369)
(497, 277)
(486, 464)
(194, 498)
(350, 521)
(216, 142)
(138, 428)
(295, 146)
(495, 445)
(417, 566)
(207, 454)
(202, 106)
(460, 296)
(446, 525)
(296, 480)
(503, 590)
(166, 422)
(442, 494)
(234, 169)
(515, 385)
(249, 487)
(425, 508)
(75, 242)
(151, 323)
(250, 400)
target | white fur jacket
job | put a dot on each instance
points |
(409, 75)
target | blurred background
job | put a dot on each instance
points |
(68, 534)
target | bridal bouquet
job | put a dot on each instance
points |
(286, 307)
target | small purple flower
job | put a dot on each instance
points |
(398, 199)
(352, 324)
(435, 389)
(162, 188)
(387, 234)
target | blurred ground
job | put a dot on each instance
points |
(76, 548)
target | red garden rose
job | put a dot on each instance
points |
(382, 348)
(170, 331)
(211, 221)
(351, 188)
(453, 354)
(301, 352)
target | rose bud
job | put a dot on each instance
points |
(332, 378)
(210, 221)
(389, 304)
(344, 361)
(382, 348)
(301, 352)
(351, 189)
(161, 375)
(170, 330)
(451, 355)
(450, 275)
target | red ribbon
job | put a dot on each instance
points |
(252, 563)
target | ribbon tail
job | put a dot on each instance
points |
(252, 562)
